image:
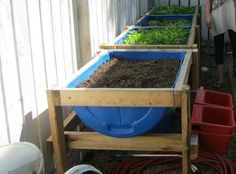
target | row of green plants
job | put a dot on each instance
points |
(165, 22)
(173, 9)
(164, 35)
(169, 32)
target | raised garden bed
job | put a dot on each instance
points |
(123, 70)
(170, 37)
(170, 20)
(143, 101)
(156, 36)
(192, 39)
(173, 9)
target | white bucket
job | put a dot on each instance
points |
(80, 169)
(20, 158)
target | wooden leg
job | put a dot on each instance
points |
(56, 123)
(195, 72)
(185, 131)
(198, 39)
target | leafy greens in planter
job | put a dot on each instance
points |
(165, 36)
(181, 22)
(173, 9)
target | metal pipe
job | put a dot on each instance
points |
(147, 155)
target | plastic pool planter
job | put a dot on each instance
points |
(121, 121)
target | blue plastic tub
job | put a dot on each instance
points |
(120, 39)
(144, 21)
(122, 121)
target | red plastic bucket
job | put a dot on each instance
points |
(214, 143)
(214, 98)
(212, 119)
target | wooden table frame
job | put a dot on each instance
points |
(179, 96)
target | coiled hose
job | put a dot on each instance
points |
(219, 162)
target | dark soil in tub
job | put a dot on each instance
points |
(118, 73)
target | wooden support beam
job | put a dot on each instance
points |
(191, 40)
(184, 72)
(194, 142)
(195, 72)
(123, 46)
(58, 138)
(69, 123)
(76, 137)
(185, 111)
(147, 97)
(149, 142)
(198, 39)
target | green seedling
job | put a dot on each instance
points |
(180, 22)
(173, 9)
(163, 36)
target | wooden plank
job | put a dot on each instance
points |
(163, 2)
(184, 3)
(195, 71)
(149, 97)
(139, 20)
(198, 40)
(10, 83)
(69, 123)
(66, 34)
(174, 2)
(185, 110)
(123, 46)
(75, 45)
(194, 145)
(184, 71)
(58, 138)
(142, 7)
(195, 17)
(192, 31)
(48, 43)
(150, 142)
(151, 3)
(105, 20)
(199, 33)
(57, 41)
(192, 34)
(150, 11)
(193, 2)
(84, 33)
(99, 17)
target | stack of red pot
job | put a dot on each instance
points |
(213, 120)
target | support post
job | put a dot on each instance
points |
(198, 39)
(185, 130)
(195, 72)
(56, 124)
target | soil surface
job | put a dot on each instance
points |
(118, 73)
